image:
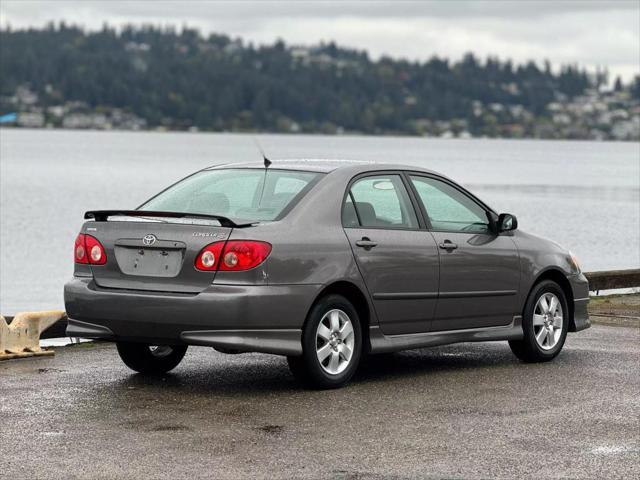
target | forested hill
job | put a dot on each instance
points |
(182, 79)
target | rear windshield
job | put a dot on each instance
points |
(242, 194)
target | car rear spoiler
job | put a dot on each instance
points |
(103, 215)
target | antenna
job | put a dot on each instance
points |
(267, 162)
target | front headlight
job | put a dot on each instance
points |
(574, 262)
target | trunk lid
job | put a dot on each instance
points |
(154, 256)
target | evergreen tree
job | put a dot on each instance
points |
(182, 78)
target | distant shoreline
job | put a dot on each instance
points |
(308, 134)
(140, 78)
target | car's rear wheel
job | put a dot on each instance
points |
(331, 344)
(545, 323)
(150, 359)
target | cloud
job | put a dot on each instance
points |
(589, 33)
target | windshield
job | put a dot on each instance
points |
(240, 193)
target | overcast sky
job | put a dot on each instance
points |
(590, 33)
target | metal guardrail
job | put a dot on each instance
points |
(612, 279)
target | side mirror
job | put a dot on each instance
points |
(507, 222)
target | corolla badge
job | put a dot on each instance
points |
(209, 234)
(149, 239)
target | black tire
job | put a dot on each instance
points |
(148, 359)
(528, 349)
(307, 368)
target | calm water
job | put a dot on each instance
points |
(584, 195)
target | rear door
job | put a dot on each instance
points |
(479, 270)
(397, 259)
(154, 256)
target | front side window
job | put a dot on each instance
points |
(237, 193)
(379, 201)
(448, 208)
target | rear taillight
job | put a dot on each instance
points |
(237, 255)
(88, 249)
(95, 250)
(79, 250)
(244, 254)
(209, 257)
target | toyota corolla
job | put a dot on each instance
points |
(322, 262)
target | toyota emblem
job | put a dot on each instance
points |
(149, 239)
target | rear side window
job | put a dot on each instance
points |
(243, 194)
(379, 201)
(349, 215)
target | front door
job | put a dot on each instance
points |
(397, 259)
(479, 270)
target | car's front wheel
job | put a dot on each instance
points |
(545, 323)
(331, 344)
(150, 359)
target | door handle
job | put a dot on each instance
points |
(366, 243)
(448, 245)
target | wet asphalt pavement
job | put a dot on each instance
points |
(463, 411)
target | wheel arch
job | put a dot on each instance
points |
(356, 296)
(561, 279)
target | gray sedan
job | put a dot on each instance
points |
(323, 262)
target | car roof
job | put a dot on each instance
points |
(322, 165)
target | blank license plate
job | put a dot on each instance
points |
(149, 262)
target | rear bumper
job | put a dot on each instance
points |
(259, 318)
(580, 287)
(277, 341)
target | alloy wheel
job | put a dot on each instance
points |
(547, 321)
(335, 341)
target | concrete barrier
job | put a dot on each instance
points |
(21, 338)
